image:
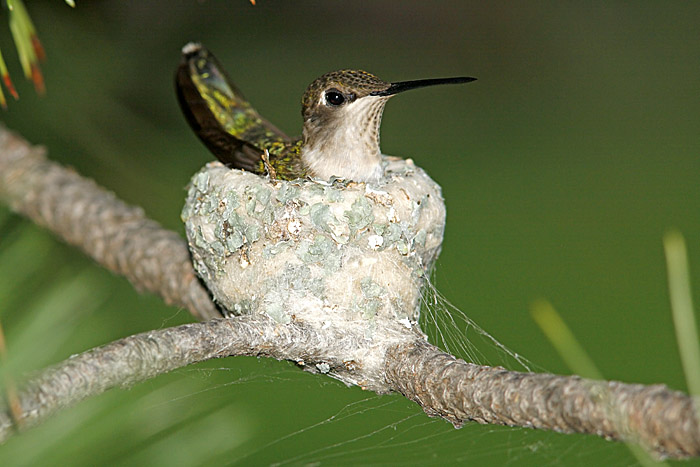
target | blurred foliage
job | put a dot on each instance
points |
(561, 168)
(29, 49)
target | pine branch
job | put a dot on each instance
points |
(123, 240)
(143, 356)
(118, 236)
(661, 420)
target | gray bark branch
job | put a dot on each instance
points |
(116, 235)
(143, 356)
(662, 420)
(122, 239)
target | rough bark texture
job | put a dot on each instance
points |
(116, 235)
(143, 356)
(662, 420)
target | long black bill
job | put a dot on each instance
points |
(402, 86)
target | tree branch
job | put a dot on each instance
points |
(662, 420)
(143, 356)
(123, 240)
(118, 236)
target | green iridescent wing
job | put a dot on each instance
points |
(225, 121)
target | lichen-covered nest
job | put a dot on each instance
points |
(316, 251)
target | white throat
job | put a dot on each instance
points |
(346, 143)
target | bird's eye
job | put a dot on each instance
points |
(334, 98)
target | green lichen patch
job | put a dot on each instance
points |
(299, 278)
(295, 284)
(392, 234)
(274, 305)
(360, 215)
(235, 231)
(229, 203)
(287, 192)
(201, 181)
(321, 216)
(257, 198)
(323, 219)
(333, 195)
(321, 250)
(402, 247)
(272, 250)
(419, 239)
(372, 298)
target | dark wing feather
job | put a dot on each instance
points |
(219, 114)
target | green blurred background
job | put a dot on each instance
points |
(562, 167)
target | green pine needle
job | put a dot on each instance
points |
(682, 308)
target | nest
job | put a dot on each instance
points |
(339, 254)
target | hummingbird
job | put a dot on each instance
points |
(342, 112)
